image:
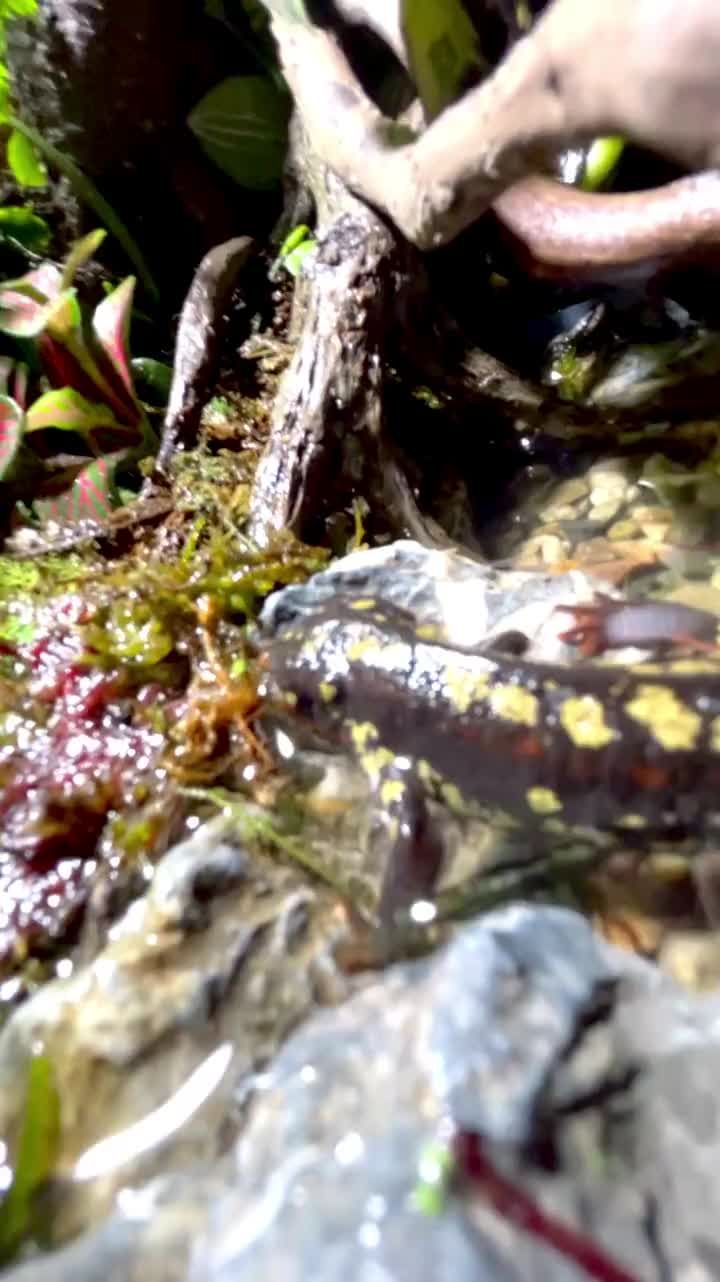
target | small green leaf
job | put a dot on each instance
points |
(435, 1169)
(90, 497)
(153, 378)
(601, 162)
(442, 50)
(293, 262)
(17, 9)
(66, 409)
(11, 433)
(25, 164)
(82, 250)
(242, 125)
(293, 239)
(23, 227)
(35, 1159)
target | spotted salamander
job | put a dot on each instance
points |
(555, 749)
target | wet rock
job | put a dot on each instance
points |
(468, 600)
(198, 983)
(589, 1076)
(529, 1031)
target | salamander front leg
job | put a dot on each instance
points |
(407, 841)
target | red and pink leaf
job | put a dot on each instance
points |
(24, 302)
(20, 384)
(111, 326)
(11, 433)
(64, 326)
(90, 497)
(6, 368)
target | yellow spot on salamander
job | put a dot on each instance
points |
(694, 667)
(453, 798)
(328, 691)
(392, 791)
(374, 762)
(513, 703)
(428, 632)
(425, 771)
(363, 603)
(465, 688)
(289, 698)
(376, 653)
(362, 733)
(362, 648)
(543, 801)
(632, 822)
(555, 826)
(583, 719)
(670, 721)
(715, 734)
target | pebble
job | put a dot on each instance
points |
(626, 529)
(693, 959)
(703, 596)
(570, 491)
(544, 549)
(562, 512)
(646, 514)
(601, 513)
(707, 493)
(608, 469)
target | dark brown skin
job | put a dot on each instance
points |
(560, 231)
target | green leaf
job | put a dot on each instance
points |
(242, 125)
(601, 161)
(111, 327)
(24, 163)
(294, 238)
(90, 497)
(153, 378)
(435, 1170)
(293, 262)
(86, 190)
(11, 434)
(82, 250)
(17, 9)
(24, 228)
(442, 49)
(36, 1156)
(66, 409)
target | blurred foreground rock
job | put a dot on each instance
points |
(591, 1077)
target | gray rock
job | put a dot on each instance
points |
(590, 1077)
(153, 1041)
(471, 601)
